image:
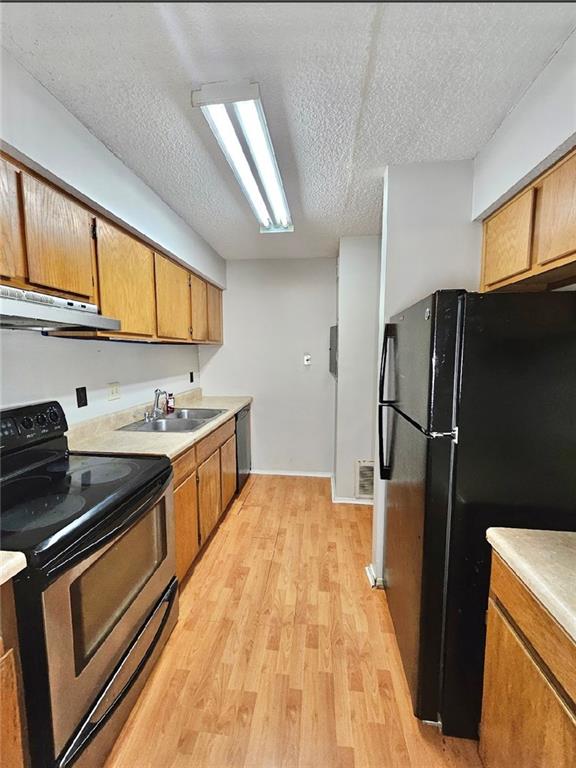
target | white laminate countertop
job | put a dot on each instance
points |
(11, 563)
(546, 562)
(103, 434)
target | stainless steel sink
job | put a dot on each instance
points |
(202, 414)
(165, 425)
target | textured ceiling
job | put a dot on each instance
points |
(347, 88)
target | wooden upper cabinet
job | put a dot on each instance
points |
(209, 495)
(198, 299)
(172, 299)
(126, 277)
(555, 228)
(508, 240)
(58, 240)
(12, 254)
(214, 314)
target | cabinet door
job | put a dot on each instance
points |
(524, 722)
(214, 314)
(172, 299)
(198, 298)
(508, 240)
(209, 495)
(58, 240)
(126, 277)
(228, 466)
(186, 525)
(555, 230)
(12, 256)
(10, 726)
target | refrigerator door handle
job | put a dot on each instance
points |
(388, 331)
(385, 468)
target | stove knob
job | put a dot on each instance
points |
(54, 416)
(41, 420)
(27, 422)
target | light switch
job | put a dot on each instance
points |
(307, 359)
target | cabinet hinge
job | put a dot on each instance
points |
(189, 281)
(93, 229)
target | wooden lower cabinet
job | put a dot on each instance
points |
(209, 495)
(524, 720)
(11, 748)
(186, 525)
(228, 469)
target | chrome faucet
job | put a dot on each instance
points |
(157, 412)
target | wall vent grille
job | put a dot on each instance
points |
(364, 479)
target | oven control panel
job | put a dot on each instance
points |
(31, 424)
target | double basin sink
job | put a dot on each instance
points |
(182, 420)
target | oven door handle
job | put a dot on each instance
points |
(71, 557)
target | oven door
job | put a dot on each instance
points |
(93, 610)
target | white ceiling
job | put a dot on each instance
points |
(347, 88)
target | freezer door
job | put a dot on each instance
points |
(417, 503)
(516, 463)
(422, 361)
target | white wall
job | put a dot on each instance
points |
(35, 368)
(428, 242)
(38, 130)
(540, 129)
(358, 297)
(275, 312)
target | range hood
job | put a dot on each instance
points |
(28, 310)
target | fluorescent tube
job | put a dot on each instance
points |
(222, 127)
(253, 123)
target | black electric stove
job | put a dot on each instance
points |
(51, 496)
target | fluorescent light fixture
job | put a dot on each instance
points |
(231, 107)
(222, 128)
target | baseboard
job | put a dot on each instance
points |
(375, 581)
(346, 500)
(289, 473)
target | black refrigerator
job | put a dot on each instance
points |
(477, 428)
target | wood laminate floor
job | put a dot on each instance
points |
(283, 656)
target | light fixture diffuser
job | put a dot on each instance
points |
(229, 108)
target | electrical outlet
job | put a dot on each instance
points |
(307, 359)
(81, 397)
(114, 390)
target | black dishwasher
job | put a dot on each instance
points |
(243, 451)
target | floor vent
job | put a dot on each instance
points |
(364, 480)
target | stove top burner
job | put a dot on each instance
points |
(52, 502)
(42, 512)
(108, 472)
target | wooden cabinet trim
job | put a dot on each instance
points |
(556, 649)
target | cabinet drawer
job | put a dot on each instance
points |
(211, 443)
(184, 466)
